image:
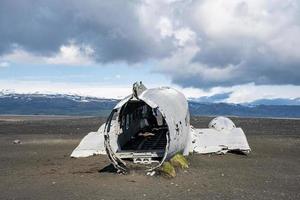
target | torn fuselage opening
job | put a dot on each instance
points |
(142, 134)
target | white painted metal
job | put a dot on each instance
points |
(93, 144)
(221, 123)
(220, 142)
(173, 106)
(220, 137)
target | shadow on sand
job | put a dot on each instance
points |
(108, 169)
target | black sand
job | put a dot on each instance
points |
(40, 167)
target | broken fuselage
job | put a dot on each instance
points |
(151, 125)
(148, 127)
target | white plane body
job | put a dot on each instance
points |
(151, 125)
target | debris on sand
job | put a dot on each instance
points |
(168, 170)
(151, 173)
(179, 161)
(17, 142)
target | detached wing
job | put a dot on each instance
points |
(210, 140)
(91, 144)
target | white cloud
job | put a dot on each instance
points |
(246, 93)
(4, 64)
(70, 54)
(271, 23)
(202, 44)
(225, 43)
(21, 56)
(165, 27)
(239, 94)
(118, 76)
(252, 92)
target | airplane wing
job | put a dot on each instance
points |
(92, 144)
(221, 136)
(210, 140)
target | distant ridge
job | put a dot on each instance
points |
(60, 104)
(54, 104)
(212, 109)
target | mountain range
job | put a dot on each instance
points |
(61, 104)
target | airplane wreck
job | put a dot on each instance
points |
(150, 126)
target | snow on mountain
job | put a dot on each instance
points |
(72, 104)
(73, 97)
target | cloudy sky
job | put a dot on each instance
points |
(245, 49)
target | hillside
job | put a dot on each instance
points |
(45, 104)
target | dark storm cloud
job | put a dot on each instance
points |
(196, 43)
(265, 68)
(112, 28)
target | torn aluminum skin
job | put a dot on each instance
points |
(151, 125)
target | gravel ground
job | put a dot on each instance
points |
(40, 167)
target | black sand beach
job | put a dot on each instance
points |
(40, 167)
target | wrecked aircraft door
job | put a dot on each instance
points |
(151, 125)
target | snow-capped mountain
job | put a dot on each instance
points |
(53, 104)
(72, 104)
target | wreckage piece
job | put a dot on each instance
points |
(162, 112)
(221, 123)
(92, 144)
(221, 136)
(151, 125)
